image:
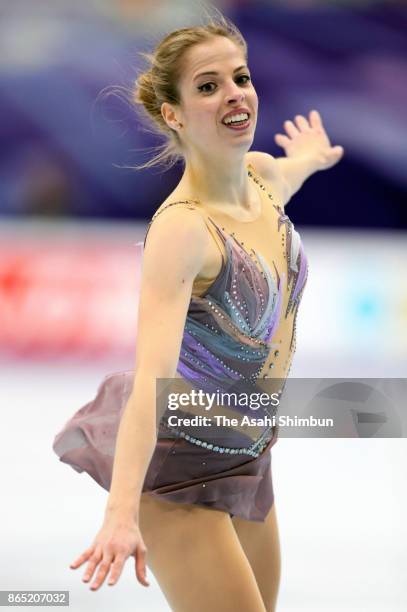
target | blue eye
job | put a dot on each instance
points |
(246, 78)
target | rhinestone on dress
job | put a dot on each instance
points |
(237, 309)
(218, 449)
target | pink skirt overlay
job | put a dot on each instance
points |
(179, 471)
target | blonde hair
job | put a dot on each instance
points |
(159, 83)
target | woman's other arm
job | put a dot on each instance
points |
(307, 148)
(173, 256)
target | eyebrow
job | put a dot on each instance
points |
(214, 73)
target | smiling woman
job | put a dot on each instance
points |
(162, 82)
(223, 274)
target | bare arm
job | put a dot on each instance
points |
(174, 254)
(308, 150)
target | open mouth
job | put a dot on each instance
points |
(237, 121)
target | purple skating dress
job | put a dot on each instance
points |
(239, 335)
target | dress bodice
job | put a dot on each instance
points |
(240, 327)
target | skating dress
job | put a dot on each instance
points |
(240, 336)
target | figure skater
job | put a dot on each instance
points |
(223, 274)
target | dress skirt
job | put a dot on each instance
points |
(179, 471)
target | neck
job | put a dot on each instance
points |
(215, 181)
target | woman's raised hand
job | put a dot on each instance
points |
(307, 138)
(114, 543)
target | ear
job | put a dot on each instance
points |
(169, 115)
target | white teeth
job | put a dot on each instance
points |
(233, 118)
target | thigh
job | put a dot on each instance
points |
(197, 559)
(261, 544)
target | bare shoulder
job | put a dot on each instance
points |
(177, 236)
(266, 166)
(178, 217)
(173, 255)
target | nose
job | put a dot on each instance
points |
(234, 94)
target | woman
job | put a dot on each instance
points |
(223, 273)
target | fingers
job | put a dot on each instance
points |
(117, 568)
(294, 129)
(290, 129)
(140, 562)
(337, 152)
(94, 558)
(104, 567)
(302, 123)
(315, 120)
(93, 562)
(113, 544)
(282, 140)
(84, 557)
(332, 157)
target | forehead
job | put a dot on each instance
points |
(215, 54)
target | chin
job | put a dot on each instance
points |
(243, 143)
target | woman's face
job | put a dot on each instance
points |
(218, 107)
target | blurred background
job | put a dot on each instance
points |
(72, 211)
